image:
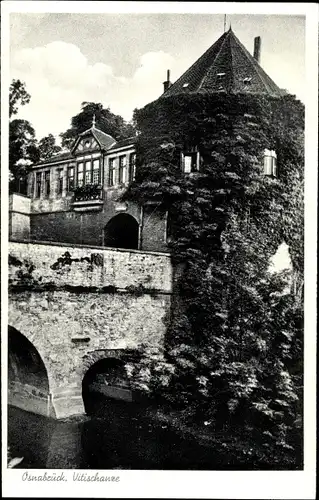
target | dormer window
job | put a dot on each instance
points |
(190, 162)
(221, 80)
(270, 163)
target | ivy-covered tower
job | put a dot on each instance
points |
(221, 152)
(224, 142)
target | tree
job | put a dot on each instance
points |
(17, 95)
(48, 147)
(23, 152)
(106, 121)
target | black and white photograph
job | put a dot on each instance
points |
(154, 171)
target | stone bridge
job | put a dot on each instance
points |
(71, 307)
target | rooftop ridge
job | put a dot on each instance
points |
(230, 58)
(198, 61)
(218, 54)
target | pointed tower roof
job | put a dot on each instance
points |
(226, 66)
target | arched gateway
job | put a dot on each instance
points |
(122, 232)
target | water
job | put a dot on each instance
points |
(119, 435)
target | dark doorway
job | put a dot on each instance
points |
(121, 232)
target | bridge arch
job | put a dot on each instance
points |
(122, 231)
(105, 377)
(28, 378)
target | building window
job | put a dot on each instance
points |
(122, 170)
(47, 183)
(270, 163)
(111, 171)
(80, 174)
(60, 181)
(96, 172)
(88, 172)
(132, 167)
(190, 162)
(38, 184)
(70, 178)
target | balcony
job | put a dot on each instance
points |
(88, 198)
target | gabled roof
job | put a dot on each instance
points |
(225, 66)
(104, 140)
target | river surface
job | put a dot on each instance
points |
(119, 435)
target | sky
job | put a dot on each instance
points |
(121, 60)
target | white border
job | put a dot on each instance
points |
(186, 484)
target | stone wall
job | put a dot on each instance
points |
(61, 265)
(95, 304)
(55, 220)
(19, 216)
(79, 228)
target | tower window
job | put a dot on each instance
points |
(190, 162)
(270, 163)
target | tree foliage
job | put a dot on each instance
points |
(23, 152)
(48, 147)
(235, 335)
(106, 121)
(17, 95)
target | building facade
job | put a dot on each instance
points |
(76, 196)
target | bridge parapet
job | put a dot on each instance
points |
(57, 265)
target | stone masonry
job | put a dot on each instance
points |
(78, 305)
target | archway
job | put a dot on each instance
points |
(107, 380)
(112, 435)
(29, 400)
(121, 232)
(25, 365)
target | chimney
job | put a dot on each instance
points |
(168, 83)
(257, 45)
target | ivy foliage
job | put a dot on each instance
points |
(234, 339)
